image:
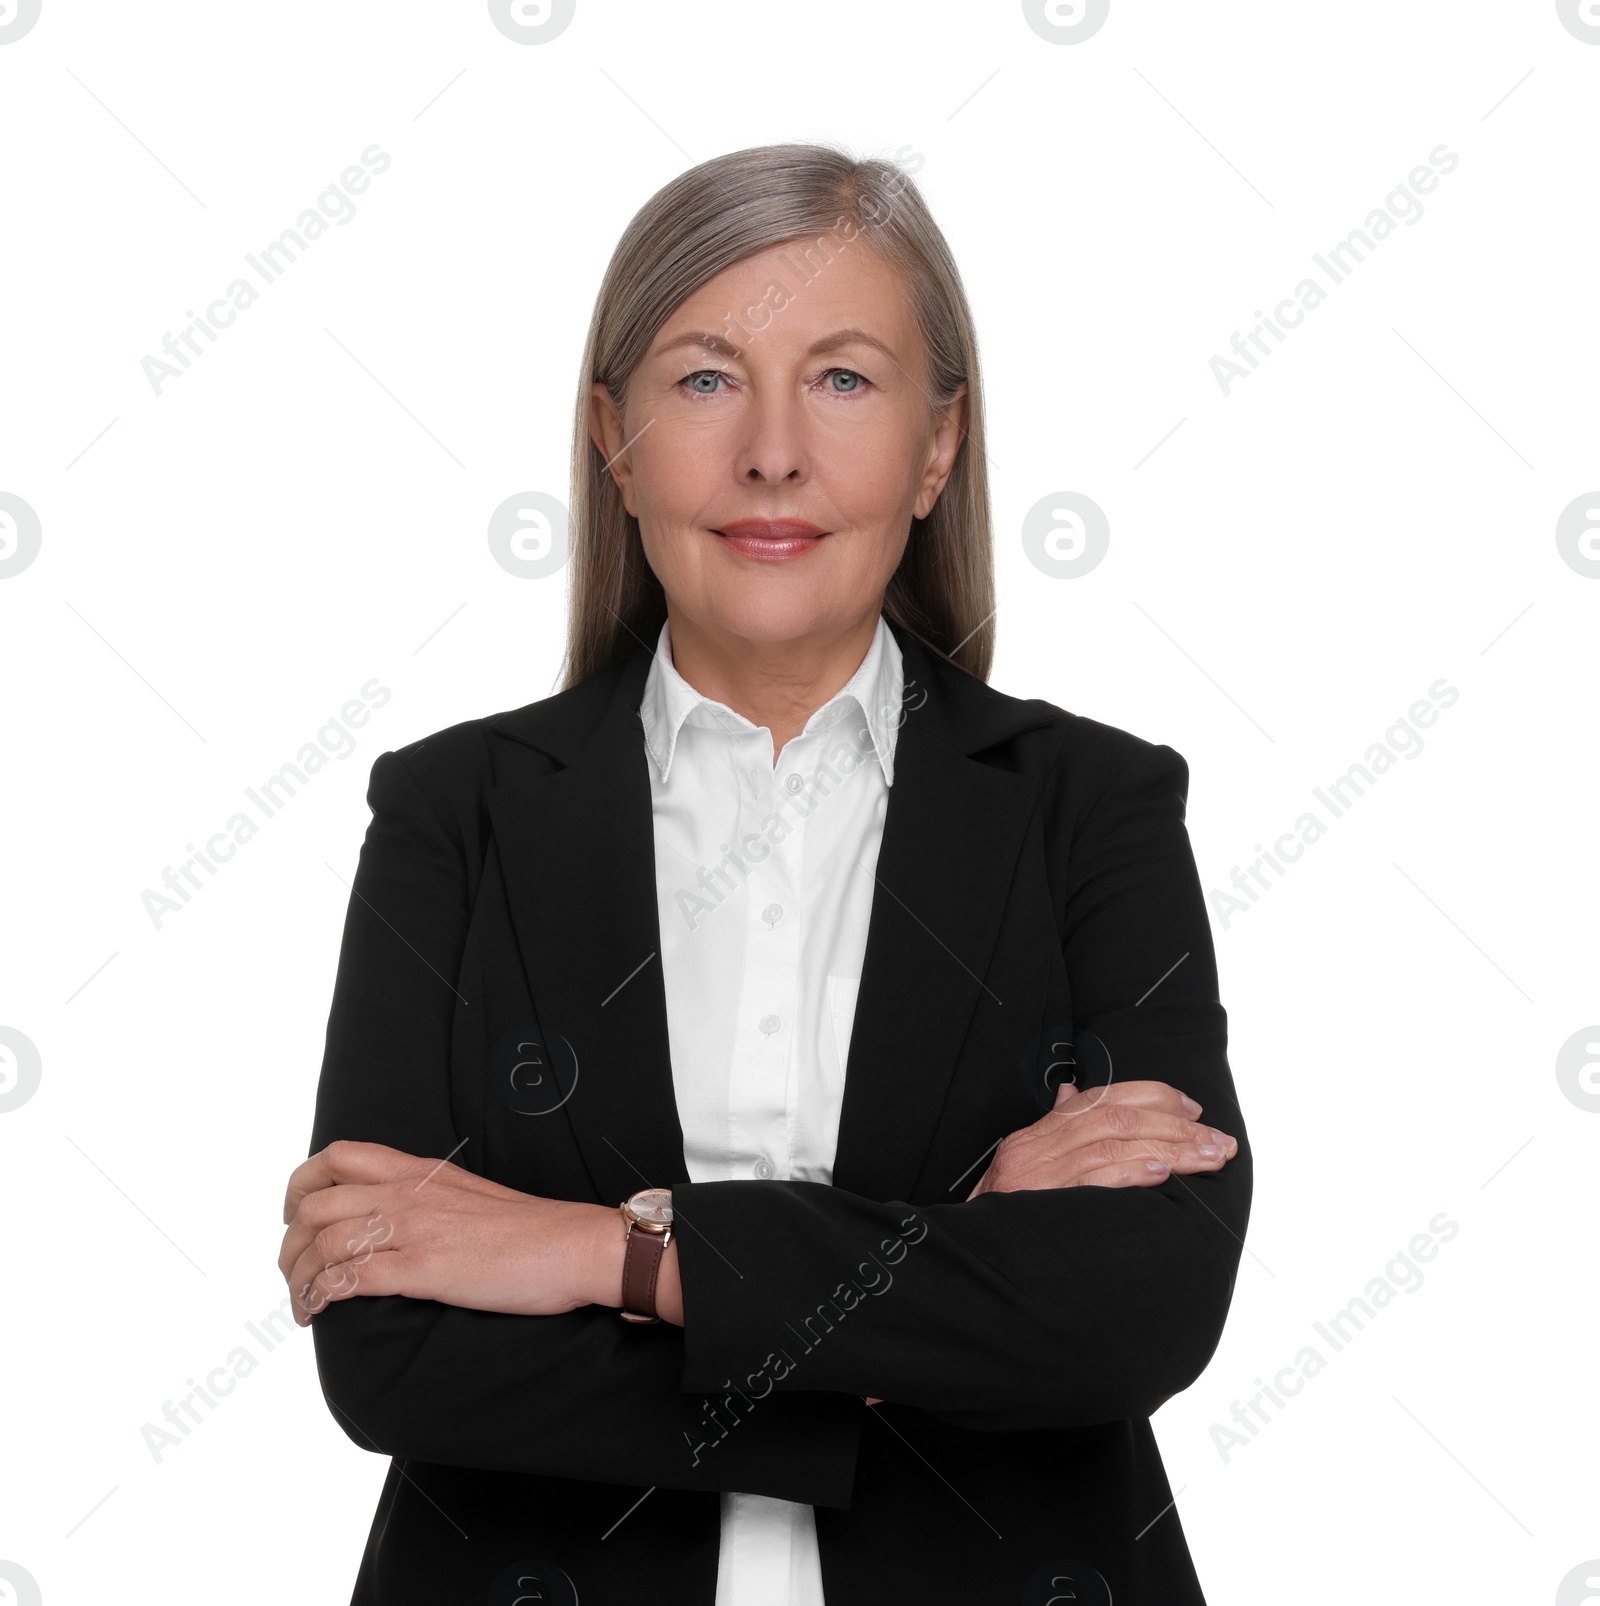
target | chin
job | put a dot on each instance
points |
(773, 619)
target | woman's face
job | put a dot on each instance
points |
(766, 398)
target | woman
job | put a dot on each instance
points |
(756, 1155)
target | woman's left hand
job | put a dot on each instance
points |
(367, 1219)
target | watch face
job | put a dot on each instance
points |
(653, 1205)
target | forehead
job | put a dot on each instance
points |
(790, 294)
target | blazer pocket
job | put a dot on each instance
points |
(842, 991)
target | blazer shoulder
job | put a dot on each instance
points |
(452, 759)
(1093, 741)
(1086, 742)
(455, 765)
(1026, 734)
(1083, 758)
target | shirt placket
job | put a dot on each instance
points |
(769, 1007)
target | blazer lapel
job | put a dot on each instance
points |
(577, 852)
(951, 837)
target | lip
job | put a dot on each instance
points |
(771, 540)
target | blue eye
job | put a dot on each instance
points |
(704, 381)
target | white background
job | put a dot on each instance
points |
(1290, 568)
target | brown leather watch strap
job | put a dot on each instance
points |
(641, 1266)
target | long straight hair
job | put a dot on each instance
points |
(821, 201)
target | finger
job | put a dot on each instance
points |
(1127, 1123)
(1136, 1095)
(1183, 1158)
(1138, 1092)
(1150, 1110)
(341, 1201)
(1156, 1126)
(1149, 1168)
(314, 1290)
(339, 1262)
(344, 1160)
(1088, 1164)
(1126, 1174)
(1041, 1166)
(337, 1255)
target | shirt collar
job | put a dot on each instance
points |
(877, 688)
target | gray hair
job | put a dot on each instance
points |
(821, 200)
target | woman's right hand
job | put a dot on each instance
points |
(1126, 1135)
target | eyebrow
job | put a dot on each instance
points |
(840, 337)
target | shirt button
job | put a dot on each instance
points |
(794, 783)
(772, 914)
(755, 780)
(769, 1024)
(764, 1168)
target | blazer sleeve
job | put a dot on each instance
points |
(580, 1395)
(1053, 1308)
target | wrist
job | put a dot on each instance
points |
(604, 1244)
(610, 1261)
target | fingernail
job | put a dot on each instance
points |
(1220, 1137)
(1156, 1165)
(1190, 1106)
(1209, 1151)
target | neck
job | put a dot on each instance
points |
(778, 684)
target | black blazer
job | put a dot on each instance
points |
(499, 1000)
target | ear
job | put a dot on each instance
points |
(606, 431)
(949, 430)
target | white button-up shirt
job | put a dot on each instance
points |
(764, 880)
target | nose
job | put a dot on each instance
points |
(773, 449)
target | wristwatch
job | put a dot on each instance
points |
(648, 1222)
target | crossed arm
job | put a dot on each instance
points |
(366, 1219)
(1045, 1299)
